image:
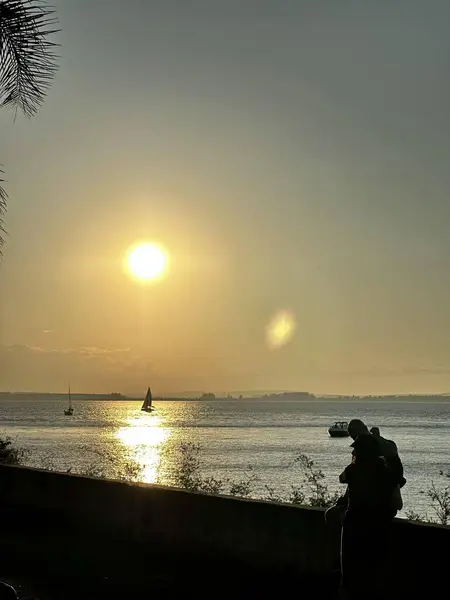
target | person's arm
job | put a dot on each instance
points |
(396, 466)
(343, 500)
(344, 476)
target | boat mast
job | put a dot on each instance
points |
(70, 398)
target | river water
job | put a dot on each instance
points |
(234, 436)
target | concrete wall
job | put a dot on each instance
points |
(52, 519)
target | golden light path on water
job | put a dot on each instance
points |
(144, 437)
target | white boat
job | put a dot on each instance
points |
(339, 429)
(69, 411)
(147, 405)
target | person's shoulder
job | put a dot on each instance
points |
(391, 442)
(393, 446)
(388, 447)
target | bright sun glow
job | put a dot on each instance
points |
(147, 262)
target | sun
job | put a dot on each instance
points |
(147, 262)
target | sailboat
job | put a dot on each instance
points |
(147, 406)
(69, 411)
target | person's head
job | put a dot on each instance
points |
(356, 427)
(365, 448)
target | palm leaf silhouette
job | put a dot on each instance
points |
(27, 61)
(3, 201)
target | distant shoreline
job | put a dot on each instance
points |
(286, 397)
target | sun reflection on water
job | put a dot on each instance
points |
(143, 438)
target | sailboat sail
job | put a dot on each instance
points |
(148, 401)
(70, 400)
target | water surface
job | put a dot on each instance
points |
(108, 437)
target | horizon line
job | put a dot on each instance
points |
(246, 394)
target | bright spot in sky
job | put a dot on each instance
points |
(147, 262)
(280, 329)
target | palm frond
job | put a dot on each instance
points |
(3, 205)
(27, 57)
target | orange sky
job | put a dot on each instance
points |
(290, 158)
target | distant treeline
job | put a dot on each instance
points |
(211, 397)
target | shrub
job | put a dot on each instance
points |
(10, 454)
(312, 490)
(318, 493)
(440, 502)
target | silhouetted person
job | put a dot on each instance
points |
(364, 541)
(386, 449)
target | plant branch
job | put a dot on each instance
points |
(27, 56)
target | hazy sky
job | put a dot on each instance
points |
(291, 155)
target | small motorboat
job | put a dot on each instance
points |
(339, 429)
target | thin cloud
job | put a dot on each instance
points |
(94, 369)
